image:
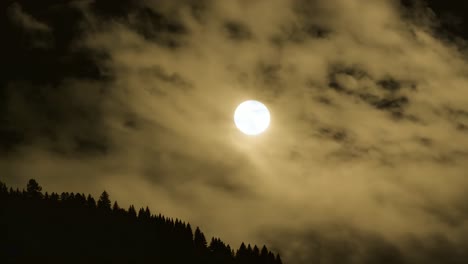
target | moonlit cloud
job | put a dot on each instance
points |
(25, 20)
(367, 144)
(39, 31)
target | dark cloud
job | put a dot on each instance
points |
(293, 34)
(346, 80)
(157, 27)
(424, 141)
(390, 84)
(51, 97)
(338, 244)
(237, 31)
(65, 118)
(37, 33)
(335, 134)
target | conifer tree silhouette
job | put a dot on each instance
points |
(90, 202)
(104, 203)
(199, 240)
(271, 257)
(3, 188)
(115, 207)
(256, 251)
(264, 255)
(132, 212)
(200, 247)
(64, 196)
(34, 189)
(54, 197)
(141, 213)
(278, 259)
(147, 213)
(242, 255)
(72, 224)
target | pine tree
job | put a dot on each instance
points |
(256, 251)
(104, 202)
(33, 189)
(189, 232)
(147, 213)
(115, 207)
(256, 254)
(199, 240)
(64, 196)
(54, 197)
(132, 211)
(271, 257)
(81, 199)
(264, 255)
(3, 188)
(278, 259)
(144, 214)
(90, 202)
(242, 254)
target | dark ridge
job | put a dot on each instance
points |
(74, 228)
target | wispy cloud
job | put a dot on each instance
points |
(25, 20)
(39, 31)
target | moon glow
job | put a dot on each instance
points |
(252, 117)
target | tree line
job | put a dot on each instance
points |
(75, 228)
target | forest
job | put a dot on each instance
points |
(77, 228)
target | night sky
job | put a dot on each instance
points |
(366, 157)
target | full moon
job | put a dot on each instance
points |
(252, 117)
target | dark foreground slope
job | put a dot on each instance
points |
(74, 228)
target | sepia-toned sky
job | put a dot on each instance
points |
(366, 157)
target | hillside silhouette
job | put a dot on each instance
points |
(74, 228)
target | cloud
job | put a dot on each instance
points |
(366, 149)
(39, 31)
(25, 20)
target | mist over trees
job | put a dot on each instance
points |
(75, 228)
